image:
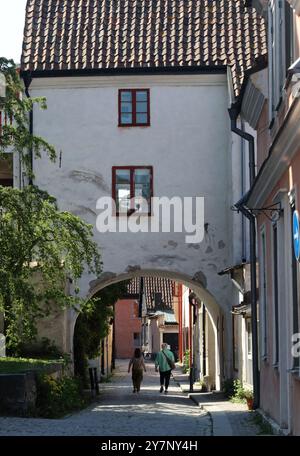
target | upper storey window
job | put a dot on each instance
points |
(134, 107)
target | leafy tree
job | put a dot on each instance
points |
(17, 107)
(40, 248)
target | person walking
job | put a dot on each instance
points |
(165, 362)
(138, 367)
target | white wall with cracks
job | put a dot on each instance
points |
(189, 145)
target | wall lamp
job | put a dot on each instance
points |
(272, 212)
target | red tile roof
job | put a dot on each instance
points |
(137, 34)
(153, 285)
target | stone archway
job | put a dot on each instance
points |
(213, 308)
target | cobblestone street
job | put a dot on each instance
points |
(119, 412)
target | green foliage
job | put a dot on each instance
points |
(15, 365)
(248, 394)
(93, 325)
(228, 387)
(45, 348)
(238, 392)
(202, 385)
(265, 428)
(186, 361)
(17, 107)
(56, 398)
(41, 247)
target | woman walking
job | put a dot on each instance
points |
(138, 366)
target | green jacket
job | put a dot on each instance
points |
(161, 362)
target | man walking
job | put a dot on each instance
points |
(165, 361)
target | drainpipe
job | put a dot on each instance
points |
(141, 298)
(27, 81)
(180, 351)
(204, 340)
(243, 181)
(240, 205)
(233, 113)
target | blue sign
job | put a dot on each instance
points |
(296, 235)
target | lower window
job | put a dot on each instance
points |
(132, 189)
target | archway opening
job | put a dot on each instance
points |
(151, 307)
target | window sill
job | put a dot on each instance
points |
(135, 214)
(276, 367)
(133, 126)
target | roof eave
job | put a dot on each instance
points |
(201, 69)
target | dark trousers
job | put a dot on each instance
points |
(165, 378)
(137, 377)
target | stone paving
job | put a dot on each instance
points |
(119, 412)
(228, 419)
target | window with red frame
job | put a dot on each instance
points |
(132, 189)
(134, 107)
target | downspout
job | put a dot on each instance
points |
(204, 340)
(243, 181)
(141, 297)
(240, 205)
(190, 335)
(27, 81)
(180, 322)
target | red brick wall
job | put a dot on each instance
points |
(126, 324)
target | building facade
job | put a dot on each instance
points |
(274, 200)
(128, 328)
(137, 96)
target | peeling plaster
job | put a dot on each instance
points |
(173, 244)
(209, 233)
(133, 268)
(82, 210)
(194, 246)
(167, 260)
(89, 176)
(200, 277)
(221, 244)
(103, 277)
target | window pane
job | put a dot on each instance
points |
(142, 175)
(141, 118)
(122, 197)
(141, 107)
(126, 118)
(123, 176)
(142, 192)
(126, 96)
(141, 96)
(126, 107)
